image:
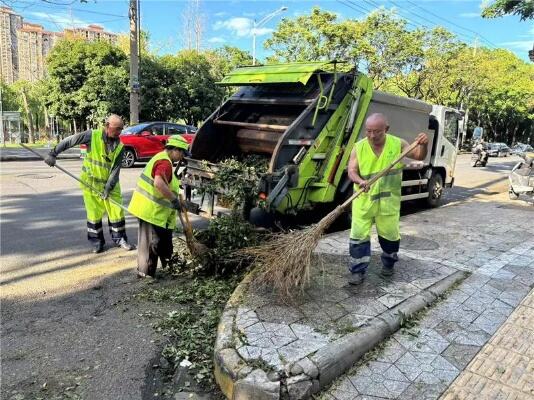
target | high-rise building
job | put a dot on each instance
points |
(9, 24)
(24, 46)
(34, 44)
(92, 33)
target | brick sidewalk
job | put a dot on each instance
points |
(504, 368)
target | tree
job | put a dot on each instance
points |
(87, 81)
(225, 59)
(123, 43)
(523, 8)
(314, 37)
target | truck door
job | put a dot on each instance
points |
(446, 149)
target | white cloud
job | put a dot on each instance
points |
(221, 14)
(60, 20)
(523, 45)
(241, 27)
(470, 15)
(216, 40)
(238, 25)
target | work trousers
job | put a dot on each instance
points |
(387, 227)
(153, 242)
(96, 207)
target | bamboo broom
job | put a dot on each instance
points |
(284, 262)
(196, 248)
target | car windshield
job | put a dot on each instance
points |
(134, 128)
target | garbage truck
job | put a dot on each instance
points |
(305, 119)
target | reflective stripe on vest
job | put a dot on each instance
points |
(148, 203)
(386, 192)
(97, 164)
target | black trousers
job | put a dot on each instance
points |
(153, 242)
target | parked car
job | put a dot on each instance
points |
(142, 141)
(521, 148)
(498, 150)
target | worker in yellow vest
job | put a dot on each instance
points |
(380, 203)
(155, 202)
(100, 169)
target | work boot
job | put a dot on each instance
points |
(123, 244)
(387, 271)
(98, 248)
(356, 278)
(142, 275)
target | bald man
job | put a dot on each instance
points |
(100, 169)
(380, 203)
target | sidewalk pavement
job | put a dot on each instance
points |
(269, 350)
(21, 154)
(504, 368)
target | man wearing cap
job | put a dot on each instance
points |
(100, 170)
(155, 202)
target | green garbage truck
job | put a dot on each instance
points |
(305, 118)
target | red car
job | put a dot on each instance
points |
(142, 141)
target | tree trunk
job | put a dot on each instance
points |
(29, 114)
(74, 125)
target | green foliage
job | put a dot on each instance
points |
(238, 179)
(191, 327)
(223, 237)
(87, 81)
(225, 59)
(178, 86)
(499, 8)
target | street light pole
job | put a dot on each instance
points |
(263, 21)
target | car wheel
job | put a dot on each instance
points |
(435, 190)
(128, 158)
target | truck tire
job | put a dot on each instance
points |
(128, 158)
(435, 190)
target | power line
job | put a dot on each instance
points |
(52, 5)
(453, 23)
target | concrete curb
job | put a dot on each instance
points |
(240, 381)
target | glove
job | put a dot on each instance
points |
(50, 160)
(105, 194)
(177, 204)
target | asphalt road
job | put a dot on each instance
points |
(63, 323)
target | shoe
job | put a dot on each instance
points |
(123, 244)
(386, 271)
(142, 275)
(356, 278)
(98, 248)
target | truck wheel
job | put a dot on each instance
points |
(128, 158)
(435, 190)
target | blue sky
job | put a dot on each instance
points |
(230, 22)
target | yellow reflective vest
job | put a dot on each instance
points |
(384, 197)
(97, 164)
(148, 203)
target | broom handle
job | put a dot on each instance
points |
(78, 179)
(186, 215)
(348, 202)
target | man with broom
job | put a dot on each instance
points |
(380, 202)
(155, 202)
(100, 170)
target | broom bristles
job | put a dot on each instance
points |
(284, 262)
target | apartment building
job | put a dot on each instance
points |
(9, 24)
(24, 45)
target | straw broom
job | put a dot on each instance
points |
(196, 248)
(284, 261)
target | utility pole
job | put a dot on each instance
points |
(134, 63)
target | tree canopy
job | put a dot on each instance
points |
(499, 8)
